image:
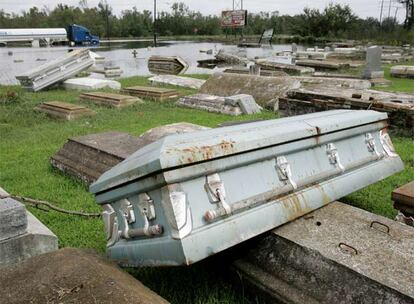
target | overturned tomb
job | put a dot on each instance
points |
(88, 157)
(188, 196)
(232, 105)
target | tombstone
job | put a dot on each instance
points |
(64, 110)
(21, 234)
(110, 99)
(88, 157)
(373, 67)
(254, 70)
(294, 48)
(327, 49)
(153, 93)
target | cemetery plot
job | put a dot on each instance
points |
(110, 99)
(153, 93)
(63, 110)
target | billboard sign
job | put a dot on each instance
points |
(234, 18)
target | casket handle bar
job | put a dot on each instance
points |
(284, 172)
(372, 147)
(146, 207)
(217, 194)
(333, 156)
(266, 197)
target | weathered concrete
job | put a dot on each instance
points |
(311, 55)
(288, 68)
(337, 254)
(229, 58)
(246, 71)
(246, 103)
(90, 84)
(263, 89)
(328, 82)
(13, 218)
(37, 239)
(110, 99)
(210, 103)
(373, 67)
(153, 93)
(64, 110)
(322, 64)
(402, 71)
(172, 65)
(72, 276)
(88, 157)
(400, 107)
(179, 81)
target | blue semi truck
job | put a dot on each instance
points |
(80, 35)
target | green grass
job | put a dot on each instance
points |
(398, 84)
(29, 139)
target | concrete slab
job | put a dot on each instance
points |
(402, 71)
(337, 254)
(86, 84)
(179, 81)
(288, 68)
(153, 93)
(246, 103)
(13, 219)
(38, 239)
(64, 110)
(263, 89)
(72, 276)
(88, 157)
(110, 99)
(210, 103)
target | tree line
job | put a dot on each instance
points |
(336, 21)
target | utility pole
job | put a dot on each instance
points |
(389, 10)
(382, 8)
(155, 23)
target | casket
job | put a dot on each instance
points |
(186, 197)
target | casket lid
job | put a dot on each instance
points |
(181, 150)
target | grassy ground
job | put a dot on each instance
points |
(29, 139)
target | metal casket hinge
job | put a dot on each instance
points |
(284, 171)
(333, 156)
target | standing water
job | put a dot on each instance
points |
(15, 61)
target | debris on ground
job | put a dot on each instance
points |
(263, 89)
(72, 276)
(285, 67)
(232, 105)
(56, 70)
(179, 81)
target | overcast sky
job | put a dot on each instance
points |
(363, 8)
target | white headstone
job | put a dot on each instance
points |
(373, 67)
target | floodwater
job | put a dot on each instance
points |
(16, 60)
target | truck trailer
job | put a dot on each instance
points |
(74, 35)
